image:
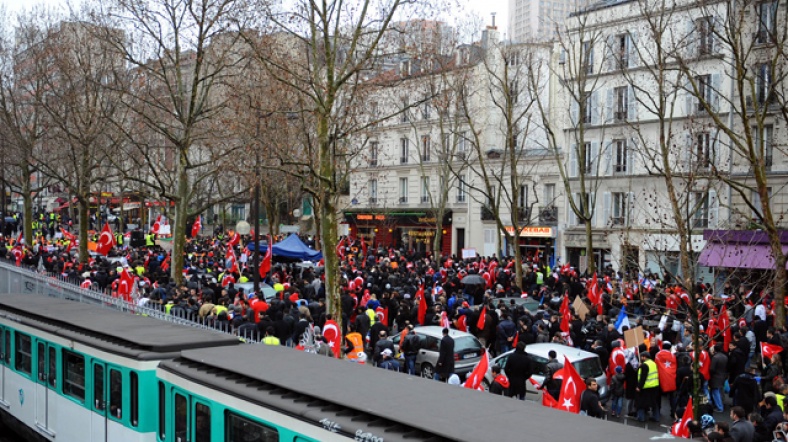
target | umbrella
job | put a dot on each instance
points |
(473, 279)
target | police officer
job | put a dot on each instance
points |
(647, 388)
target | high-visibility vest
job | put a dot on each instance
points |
(271, 340)
(539, 278)
(357, 340)
(220, 309)
(652, 379)
(149, 242)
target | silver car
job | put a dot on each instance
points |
(586, 363)
(467, 350)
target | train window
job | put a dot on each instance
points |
(52, 375)
(181, 409)
(23, 357)
(74, 375)
(2, 345)
(162, 413)
(241, 429)
(202, 423)
(135, 397)
(7, 352)
(98, 387)
(116, 393)
(42, 361)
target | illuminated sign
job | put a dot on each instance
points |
(533, 231)
(370, 217)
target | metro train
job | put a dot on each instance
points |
(76, 372)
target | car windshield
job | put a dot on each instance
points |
(588, 367)
(466, 343)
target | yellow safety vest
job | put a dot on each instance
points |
(372, 316)
(149, 242)
(220, 309)
(271, 340)
(652, 380)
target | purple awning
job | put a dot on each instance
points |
(747, 256)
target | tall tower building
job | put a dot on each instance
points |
(536, 20)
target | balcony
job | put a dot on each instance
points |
(487, 213)
(524, 214)
(373, 200)
(548, 216)
(403, 200)
(425, 199)
(403, 160)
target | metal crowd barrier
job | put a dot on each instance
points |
(21, 280)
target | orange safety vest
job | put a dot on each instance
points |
(357, 340)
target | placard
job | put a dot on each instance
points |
(581, 309)
(634, 337)
(468, 253)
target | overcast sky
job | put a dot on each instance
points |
(481, 7)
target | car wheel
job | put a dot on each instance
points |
(427, 371)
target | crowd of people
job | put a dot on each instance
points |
(386, 291)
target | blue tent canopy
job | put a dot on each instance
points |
(291, 247)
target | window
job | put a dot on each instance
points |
(757, 203)
(461, 143)
(514, 91)
(52, 376)
(98, 387)
(373, 191)
(549, 194)
(764, 145)
(588, 165)
(403, 190)
(621, 96)
(405, 109)
(373, 153)
(162, 412)
(620, 155)
(181, 418)
(403, 151)
(621, 49)
(705, 91)
(588, 111)
(241, 429)
(445, 143)
(619, 217)
(425, 148)
(705, 35)
(461, 189)
(135, 398)
(522, 198)
(73, 375)
(703, 154)
(767, 22)
(116, 393)
(763, 92)
(202, 423)
(587, 54)
(7, 347)
(700, 205)
(425, 111)
(23, 355)
(425, 189)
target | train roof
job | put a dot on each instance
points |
(134, 336)
(365, 400)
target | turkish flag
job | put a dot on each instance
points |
(156, 225)
(68, 235)
(679, 429)
(571, 389)
(18, 254)
(547, 400)
(333, 336)
(235, 240)
(445, 323)
(475, 377)
(769, 350)
(593, 290)
(106, 240)
(341, 249)
(704, 366)
(565, 315)
(725, 326)
(461, 324)
(422, 314)
(666, 367)
(265, 266)
(383, 315)
(125, 285)
(165, 265)
(481, 322)
(197, 226)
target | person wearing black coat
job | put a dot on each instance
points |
(445, 366)
(519, 369)
(745, 392)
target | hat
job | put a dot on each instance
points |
(361, 357)
(386, 352)
(619, 369)
(769, 394)
(706, 421)
(317, 331)
(86, 275)
(465, 304)
(454, 380)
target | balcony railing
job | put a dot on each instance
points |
(487, 214)
(524, 214)
(548, 216)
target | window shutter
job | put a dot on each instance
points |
(610, 56)
(630, 208)
(571, 218)
(686, 153)
(632, 50)
(631, 146)
(632, 110)
(607, 214)
(573, 161)
(594, 212)
(714, 206)
(610, 104)
(716, 85)
(608, 155)
(691, 39)
(595, 163)
(575, 114)
(595, 111)
(689, 98)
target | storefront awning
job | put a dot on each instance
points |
(746, 256)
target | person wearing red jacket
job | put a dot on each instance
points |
(500, 383)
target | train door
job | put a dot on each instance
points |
(98, 419)
(5, 357)
(191, 417)
(46, 378)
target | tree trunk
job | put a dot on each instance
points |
(518, 262)
(780, 279)
(589, 245)
(84, 208)
(328, 220)
(179, 226)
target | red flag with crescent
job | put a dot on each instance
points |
(680, 428)
(769, 350)
(482, 321)
(125, 285)
(476, 376)
(235, 240)
(265, 265)
(571, 389)
(197, 226)
(383, 315)
(156, 225)
(106, 240)
(333, 336)
(461, 324)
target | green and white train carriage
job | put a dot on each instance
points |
(76, 372)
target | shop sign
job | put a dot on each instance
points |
(533, 231)
(370, 217)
